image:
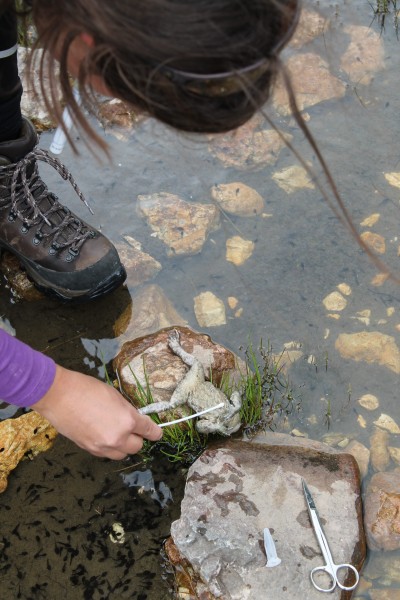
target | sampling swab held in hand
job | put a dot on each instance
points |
(272, 557)
(198, 414)
(59, 138)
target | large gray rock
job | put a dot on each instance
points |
(233, 492)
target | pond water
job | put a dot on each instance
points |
(60, 508)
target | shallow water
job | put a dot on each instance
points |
(59, 508)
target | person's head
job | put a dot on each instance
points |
(197, 65)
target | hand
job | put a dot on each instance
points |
(95, 416)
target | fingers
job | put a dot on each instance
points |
(146, 428)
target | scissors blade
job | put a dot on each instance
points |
(308, 497)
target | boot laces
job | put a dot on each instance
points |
(33, 204)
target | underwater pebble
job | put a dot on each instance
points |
(386, 422)
(374, 241)
(326, 333)
(232, 302)
(292, 179)
(369, 402)
(371, 220)
(361, 454)
(380, 457)
(117, 533)
(394, 454)
(312, 360)
(298, 433)
(379, 279)
(393, 179)
(238, 250)
(334, 301)
(334, 439)
(209, 310)
(344, 288)
(361, 421)
(312, 419)
(390, 311)
(333, 316)
(344, 443)
(364, 55)
(293, 345)
(238, 199)
(239, 313)
(364, 316)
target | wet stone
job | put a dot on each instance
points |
(139, 265)
(380, 457)
(371, 347)
(364, 55)
(382, 510)
(209, 310)
(234, 491)
(17, 278)
(238, 250)
(238, 199)
(311, 25)
(292, 179)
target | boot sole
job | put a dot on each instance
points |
(65, 295)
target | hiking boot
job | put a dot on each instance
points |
(64, 256)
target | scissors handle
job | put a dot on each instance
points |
(332, 573)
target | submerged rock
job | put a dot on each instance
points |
(149, 311)
(364, 55)
(17, 278)
(209, 310)
(371, 347)
(238, 250)
(23, 437)
(382, 510)
(292, 179)
(233, 492)
(380, 457)
(312, 83)
(238, 199)
(182, 226)
(311, 25)
(335, 301)
(139, 265)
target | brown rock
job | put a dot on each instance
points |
(20, 438)
(115, 112)
(374, 241)
(139, 265)
(370, 346)
(390, 594)
(151, 360)
(382, 511)
(364, 55)
(248, 147)
(238, 199)
(17, 278)
(380, 456)
(311, 25)
(182, 226)
(312, 83)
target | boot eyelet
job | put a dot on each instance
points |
(36, 241)
(11, 217)
(24, 229)
(52, 251)
(69, 258)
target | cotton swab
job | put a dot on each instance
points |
(202, 412)
(59, 138)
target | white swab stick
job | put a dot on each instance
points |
(202, 412)
(59, 138)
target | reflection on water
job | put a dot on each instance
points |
(301, 255)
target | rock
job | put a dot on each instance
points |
(382, 510)
(149, 311)
(292, 179)
(380, 457)
(312, 83)
(149, 359)
(334, 301)
(21, 286)
(116, 113)
(248, 147)
(344, 289)
(232, 302)
(364, 55)
(139, 265)
(311, 25)
(209, 310)
(393, 179)
(233, 492)
(374, 241)
(371, 220)
(238, 250)
(20, 438)
(361, 454)
(182, 226)
(386, 422)
(394, 454)
(364, 316)
(238, 199)
(371, 347)
(369, 402)
(384, 594)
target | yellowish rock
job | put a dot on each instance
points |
(23, 437)
(292, 179)
(232, 302)
(394, 454)
(380, 457)
(374, 241)
(371, 220)
(390, 311)
(209, 310)
(335, 301)
(361, 454)
(379, 279)
(386, 422)
(298, 433)
(311, 25)
(362, 422)
(239, 313)
(364, 55)
(371, 347)
(344, 289)
(393, 179)
(364, 316)
(238, 199)
(368, 401)
(238, 250)
(333, 316)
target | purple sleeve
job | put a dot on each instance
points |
(25, 374)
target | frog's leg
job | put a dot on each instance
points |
(173, 343)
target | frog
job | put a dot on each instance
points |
(200, 394)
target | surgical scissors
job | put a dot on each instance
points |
(330, 567)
